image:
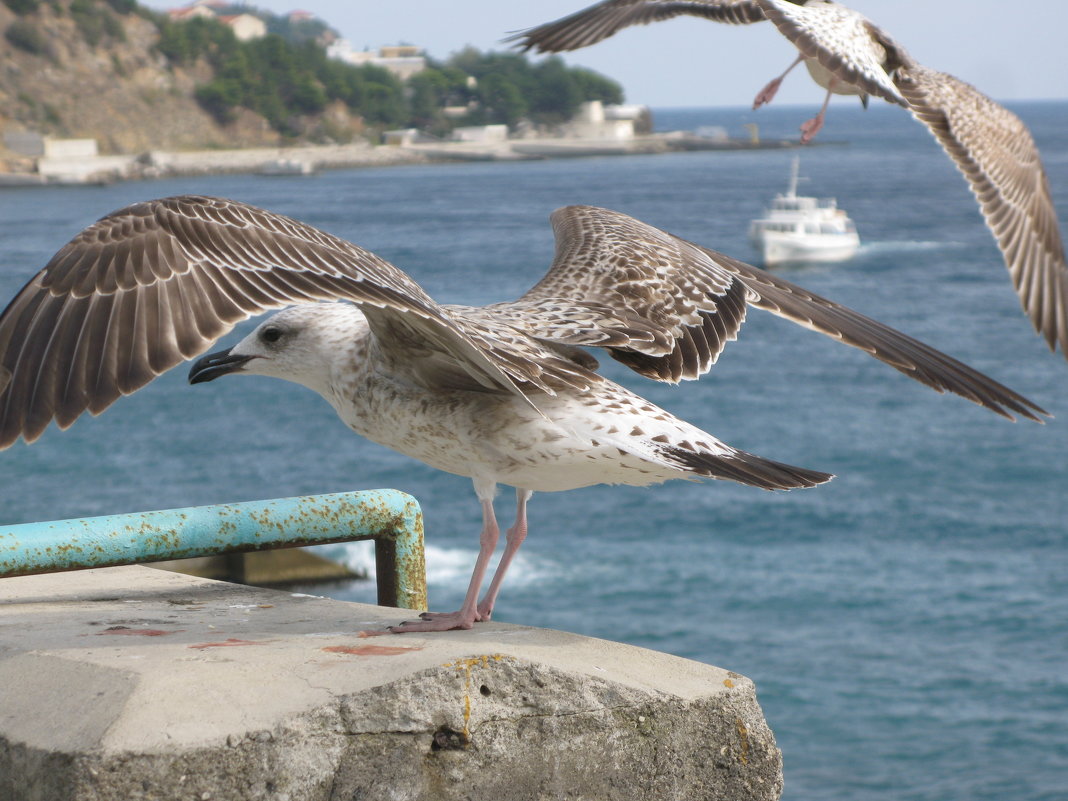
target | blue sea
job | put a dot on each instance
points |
(906, 625)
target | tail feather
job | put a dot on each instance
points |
(746, 468)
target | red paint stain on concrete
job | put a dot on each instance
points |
(232, 641)
(138, 632)
(369, 650)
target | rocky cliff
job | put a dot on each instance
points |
(81, 68)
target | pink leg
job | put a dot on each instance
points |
(767, 94)
(516, 534)
(810, 128)
(468, 614)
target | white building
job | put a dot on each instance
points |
(245, 26)
(591, 123)
(402, 137)
(190, 12)
(481, 133)
(404, 61)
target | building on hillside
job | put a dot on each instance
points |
(404, 61)
(245, 26)
(186, 13)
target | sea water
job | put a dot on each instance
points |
(906, 625)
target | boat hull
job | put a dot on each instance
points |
(778, 248)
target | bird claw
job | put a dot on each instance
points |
(767, 94)
(482, 614)
(809, 129)
(439, 622)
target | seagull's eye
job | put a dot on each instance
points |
(271, 334)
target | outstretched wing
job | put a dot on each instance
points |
(667, 307)
(158, 282)
(915, 359)
(997, 155)
(598, 22)
(646, 296)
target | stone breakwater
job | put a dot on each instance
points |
(162, 164)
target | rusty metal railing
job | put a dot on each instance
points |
(391, 518)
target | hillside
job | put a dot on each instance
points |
(118, 89)
(136, 81)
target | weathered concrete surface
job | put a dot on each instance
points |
(131, 683)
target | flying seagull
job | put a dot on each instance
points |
(846, 53)
(503, 393)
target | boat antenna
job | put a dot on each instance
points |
(795, 166)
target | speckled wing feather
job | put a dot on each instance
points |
(998, 156)
(846, 43)
(620, 284)
(915, 359)
(158, 282)
(600, 21)
(693, 301)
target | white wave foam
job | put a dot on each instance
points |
(448, 567)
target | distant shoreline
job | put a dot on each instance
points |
(313, 158)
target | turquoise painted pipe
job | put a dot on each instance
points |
(392, 518)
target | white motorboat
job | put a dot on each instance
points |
(797, 229)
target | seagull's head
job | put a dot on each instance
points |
(300, 344)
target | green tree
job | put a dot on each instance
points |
(428, 93)
(95, 22)
(220, 98)
(502, 99)
(557, 94)
(22, 6)
(594, 86)
(25, 35)
(284, 79)
(510, 86)
(123, 6)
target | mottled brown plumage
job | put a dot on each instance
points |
(158, 282)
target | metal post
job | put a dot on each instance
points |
(391, 518)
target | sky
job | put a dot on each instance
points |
(689, 61)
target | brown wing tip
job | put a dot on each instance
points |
(748, 468)
(1030, 411)
(983, 391)
(522, 40)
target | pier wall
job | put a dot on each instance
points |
(133, 683)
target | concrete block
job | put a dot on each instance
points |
(133, 683)
(70, 148)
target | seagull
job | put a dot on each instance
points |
(505, 393)
(846, 53)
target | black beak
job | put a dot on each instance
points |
(210, 367)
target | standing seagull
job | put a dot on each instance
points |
(848, 54)
(501, 393)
